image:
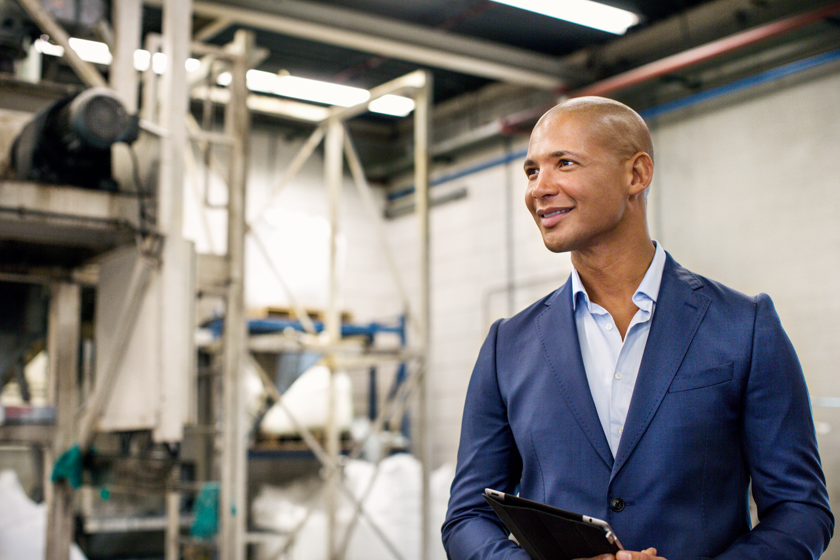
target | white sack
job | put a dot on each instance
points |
(393, 504)
(23, 523)
(308, 401)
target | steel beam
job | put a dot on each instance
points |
(63, 348)
(422, 138)
(405, 42)
(86, 71)
(232, 502)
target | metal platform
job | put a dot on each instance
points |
(55, 225)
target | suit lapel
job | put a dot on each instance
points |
(558, 333)
(679, 311)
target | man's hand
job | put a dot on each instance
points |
(649, 554)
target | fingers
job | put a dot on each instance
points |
(649, 554)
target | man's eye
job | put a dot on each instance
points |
(565, 162)
(530, 172)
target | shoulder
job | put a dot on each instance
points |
(675, 274)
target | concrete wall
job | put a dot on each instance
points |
(748, 193)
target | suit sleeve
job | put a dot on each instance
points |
(487, 458)
(780, 446)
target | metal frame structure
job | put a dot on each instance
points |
(64, 328)
(166, 113)
(338, 148)
(233, 538)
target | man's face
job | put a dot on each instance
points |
(577, 184)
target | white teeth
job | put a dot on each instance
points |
(554, 213)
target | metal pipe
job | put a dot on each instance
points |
(513, 124)
(705, 52)
(149, 111)
(527, 70)
(173, 525)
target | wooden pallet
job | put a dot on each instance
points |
(288, 313)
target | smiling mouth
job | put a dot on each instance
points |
(556, 213)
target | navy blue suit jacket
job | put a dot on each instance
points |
(720, 402)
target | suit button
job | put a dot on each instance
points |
(617, 504)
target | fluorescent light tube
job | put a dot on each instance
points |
(266, 82)
(322, 92)
(301, 88)
(583, 12)
(98, 53)
(395, 105)
(89, 51)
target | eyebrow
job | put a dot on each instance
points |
(553, 155)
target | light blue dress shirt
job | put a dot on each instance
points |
(612, 364)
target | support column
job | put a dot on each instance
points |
(127, 19)
(232, 499)
(174, 302)
(63, 349)
(334, 173)
(422, 135)
(174, 305)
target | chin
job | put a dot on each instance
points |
(556, 246)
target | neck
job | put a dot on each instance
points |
(611, 276)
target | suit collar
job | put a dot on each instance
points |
(680, 310)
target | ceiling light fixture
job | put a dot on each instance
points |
(395, 105)
(583, 12)
(322, 92)
(98, 53)
(265, 82)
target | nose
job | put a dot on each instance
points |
(542, 185)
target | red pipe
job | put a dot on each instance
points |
(705, 52)
(513, 123)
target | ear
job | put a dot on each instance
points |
(642, 169)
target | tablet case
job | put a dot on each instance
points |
(549, 533)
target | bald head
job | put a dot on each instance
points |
(616, 125)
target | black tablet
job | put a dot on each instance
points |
(550, 533)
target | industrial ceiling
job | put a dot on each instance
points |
(495, 68)
(474, 46)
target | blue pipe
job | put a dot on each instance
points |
(501, 160)
(745, 83)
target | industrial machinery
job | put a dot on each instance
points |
(69, 142)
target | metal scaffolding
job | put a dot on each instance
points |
(165, 114)
(338, 148)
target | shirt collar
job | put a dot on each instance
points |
(645, 294)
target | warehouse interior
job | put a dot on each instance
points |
(238, 317)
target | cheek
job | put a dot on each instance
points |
(529, 199)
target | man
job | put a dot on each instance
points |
(638, 393)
